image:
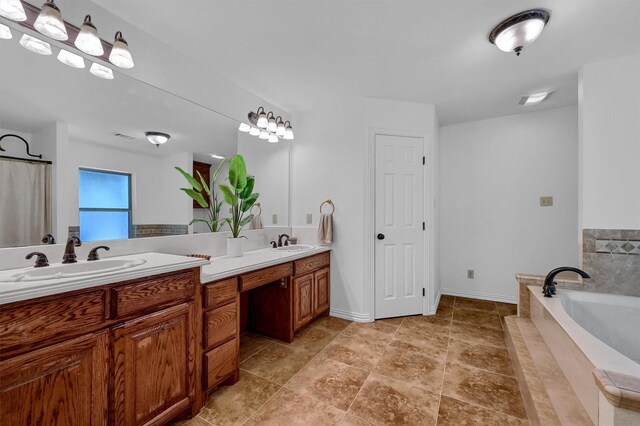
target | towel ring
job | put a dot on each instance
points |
(259, 208)
(333, 207)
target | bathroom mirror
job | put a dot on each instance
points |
(105, 179)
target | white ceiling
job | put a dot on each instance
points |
(299, 53)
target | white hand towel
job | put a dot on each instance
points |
(325, 229)
(256, 222)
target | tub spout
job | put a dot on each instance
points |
(549, 287)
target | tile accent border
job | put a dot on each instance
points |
(157, 230)
(618, 246)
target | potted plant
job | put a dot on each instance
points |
(239, 195)
(211, 203)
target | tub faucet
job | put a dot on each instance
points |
(69, 249)
(549, 287)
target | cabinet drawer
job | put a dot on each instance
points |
(24, 324)
(220, 324)
(265, 276)
(220, 293)
(312, 263)
(163, 290)
(221, 362)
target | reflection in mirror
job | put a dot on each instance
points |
(105, 180)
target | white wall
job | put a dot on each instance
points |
(610, 144)
(330, 161)
(492, 173)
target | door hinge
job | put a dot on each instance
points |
(424, 160)
(423, 294)
(424, 226)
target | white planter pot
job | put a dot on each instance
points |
(235, 247)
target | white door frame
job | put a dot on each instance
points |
(369, 217)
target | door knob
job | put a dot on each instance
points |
(381, 236)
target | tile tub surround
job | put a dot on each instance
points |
(411, 370)
(612, 258)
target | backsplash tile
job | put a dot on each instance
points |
(618, 247)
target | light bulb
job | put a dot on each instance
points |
(262, 120)
(264, 135)
(288, 132)
(35, 45)
(88, 40)
(5, 32)
(12, 9)
(273, 139)
(70, 59)
(244, 128)
(120, 55)
(50, 22)
(101, 71)
(254, 131)
(280, 129)
(271, 124)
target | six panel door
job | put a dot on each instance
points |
(302, 301)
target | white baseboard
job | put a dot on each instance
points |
(432, 309)
(479, 295)
(348, 315)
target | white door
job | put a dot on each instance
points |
(399, 251)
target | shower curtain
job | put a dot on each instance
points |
(25, 202)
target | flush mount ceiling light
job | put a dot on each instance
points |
(267, 126)
(519, 30)
(12, 9)
(535, 98)
(5, 32)
(35, 45)
(101, 71)
(88, 40)
(50, 22)
(70, 59)
(157, 138)
(120, 55)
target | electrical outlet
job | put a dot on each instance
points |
(274, 219)
(470, 273)
(309, 218)
(546, 201)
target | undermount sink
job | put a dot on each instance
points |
(73, 270)
(294, 248)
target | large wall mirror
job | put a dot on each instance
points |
(99, 177)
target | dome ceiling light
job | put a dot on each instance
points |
(157, 138)
(267, 126)
(520, 30)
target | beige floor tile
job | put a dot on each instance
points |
(478, 334)
(489, 390)
(444, 313)
(470, 316)
(404, 361)
(196, 421)
(250, 344)
(231, 405)
(506, 309)
(351, 420)
(277, 363)
(329, 381)
(312, 339)
(433, 344)
(356, 350)
(384, 400)
(457, 413)
(428, 324)
(290, 408)
(481, 305)
(331, 323)
(446, 300)
(392, 321)
(485, 357)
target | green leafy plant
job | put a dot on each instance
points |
(239, 195)
(210, 203)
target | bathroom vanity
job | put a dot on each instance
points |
(148, 349)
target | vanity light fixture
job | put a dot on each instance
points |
(263, 135)
(88, 40)
(273, 139)
(262, 122)
(288, 131)
(101, 71)
(5, 32)
(280, 130)
(50, 22)
(35, 45)
(12, 9)
(244, 128)
(271, 126)
(519, 30)
(268, 126)
(217, 157)
(71, 59)
(157, 138)
(120, 55)
(254, 131)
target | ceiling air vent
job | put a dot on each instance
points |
(123, 136)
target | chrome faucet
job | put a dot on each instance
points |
(286, 242)
(69, 249)
(549, 287)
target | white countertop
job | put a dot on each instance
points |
(145, 264)
(223, 266)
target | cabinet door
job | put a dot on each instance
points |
(302, 301)
(322, 288)
(153, 369)
(64, 384)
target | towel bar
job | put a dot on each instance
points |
(333, 206)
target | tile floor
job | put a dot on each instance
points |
(449, 369)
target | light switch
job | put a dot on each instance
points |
(274, 219)
(546, 201)
(470, 273)
(309, 218)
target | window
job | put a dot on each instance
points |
(105, 205)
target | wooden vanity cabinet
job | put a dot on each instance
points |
(311, 289)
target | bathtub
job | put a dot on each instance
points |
(585, 331)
